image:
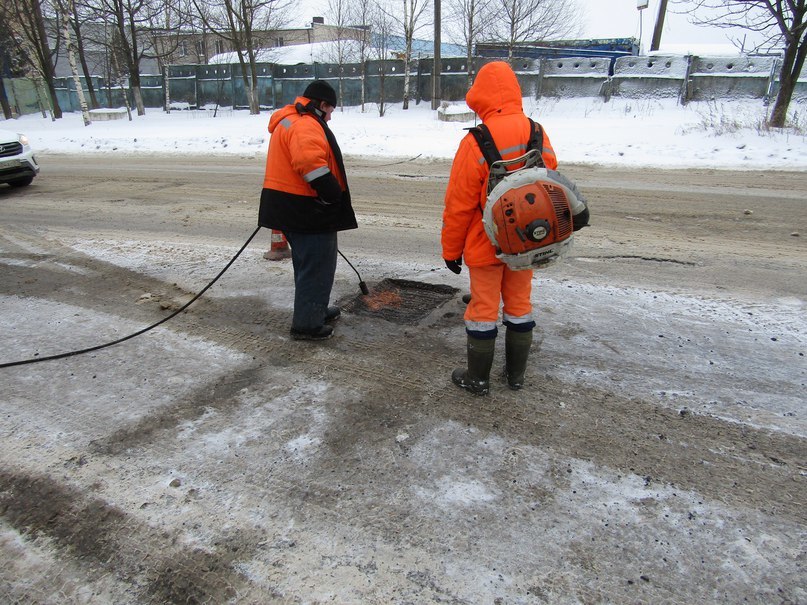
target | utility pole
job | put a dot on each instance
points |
(662, 11)
(436, 66)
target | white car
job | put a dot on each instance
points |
(18, 166)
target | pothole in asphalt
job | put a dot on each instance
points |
(399, 301)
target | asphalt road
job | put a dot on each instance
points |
(656, 454)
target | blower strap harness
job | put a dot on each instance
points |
(496, 165)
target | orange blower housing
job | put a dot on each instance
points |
(528, 217)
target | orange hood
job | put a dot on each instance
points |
(285, 112)
(495, 91)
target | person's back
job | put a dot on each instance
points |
(496, 98)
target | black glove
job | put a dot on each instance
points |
(327, 188)
(580, 220)
(455, 266)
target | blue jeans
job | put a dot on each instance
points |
(313, 256)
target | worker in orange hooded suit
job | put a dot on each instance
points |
(306, 196)
(495, 96)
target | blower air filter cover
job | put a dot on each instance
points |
(526, 212)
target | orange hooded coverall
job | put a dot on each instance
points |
(495, 96)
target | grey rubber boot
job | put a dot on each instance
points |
(516, 352)
(476, 378)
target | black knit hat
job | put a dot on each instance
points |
(320, 90)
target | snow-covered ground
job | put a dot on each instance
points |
(659, 133)
(175, 468)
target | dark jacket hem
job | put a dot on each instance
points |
(304, 214)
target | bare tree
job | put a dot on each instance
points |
(520, 21)
(166, 31)
(117, 76)
(130, 19)
(240, 22)
(467, 24)
(413, 12)
(382, 32)
(343, 48)
(66, 10)
(7, 113)
(140, 29)
(409, 19)
(77, 16)
(782, 23)
(7, 62)
(361, 15)
(31, 40)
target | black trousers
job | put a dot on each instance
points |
(313, 256)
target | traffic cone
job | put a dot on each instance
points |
(280, 247)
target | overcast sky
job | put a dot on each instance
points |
(606, 19)
(620, 19)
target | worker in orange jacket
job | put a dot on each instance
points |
(495, 96)
(306, 196)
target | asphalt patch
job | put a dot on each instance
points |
(399, 301)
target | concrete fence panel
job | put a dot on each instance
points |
(529, 73)
(263, 85)
(574, 76)
(799, 89)
(453, 78)
(183, 81)
(730, 77)
(635, 77)
(24, 96)
(109, 96)
(348, 84)
(289, 81)
(152, 90)
(214, 86)
(384, 79)
(654, 76)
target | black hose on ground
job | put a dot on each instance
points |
(139, 332)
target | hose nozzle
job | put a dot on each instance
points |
(362, 286)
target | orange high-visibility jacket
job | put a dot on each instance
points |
(302, 149)
(495, 96)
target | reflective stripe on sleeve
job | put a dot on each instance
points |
(316, 173)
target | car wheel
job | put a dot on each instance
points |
(24, 182)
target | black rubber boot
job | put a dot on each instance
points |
(321, 333)
(516, 352)
(476, 378)
(332, 314)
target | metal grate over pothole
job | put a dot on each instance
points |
(399, 301)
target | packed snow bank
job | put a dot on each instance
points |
(657, 133)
